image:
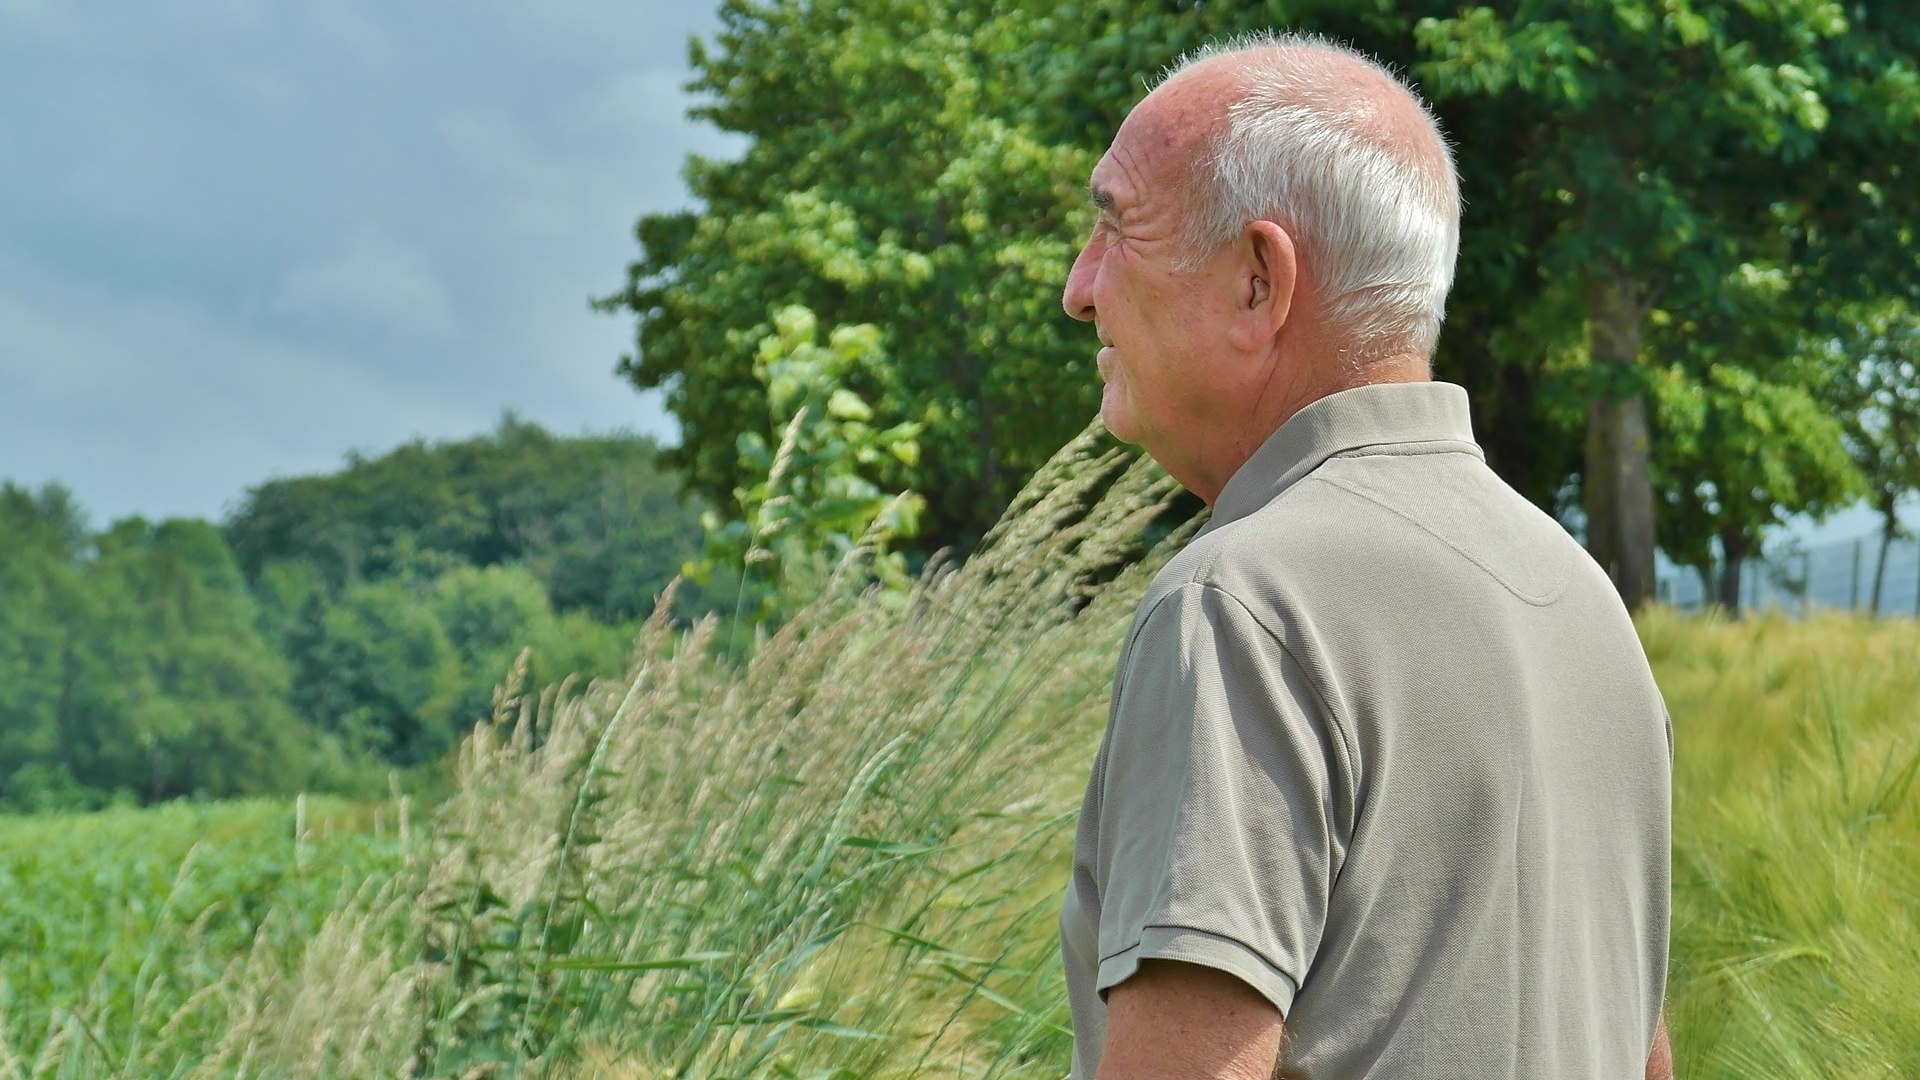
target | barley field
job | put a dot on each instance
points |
(843, 858)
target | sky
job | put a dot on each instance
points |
(239, 239)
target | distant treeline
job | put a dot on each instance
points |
(332, 628)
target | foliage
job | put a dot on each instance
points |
(378, 670)
(594, 518)
(201, 695)
(1877, 397)
(812, 503)
(892, 178)
(133, 663)
(1741, 454)
(488, 616)
(141, 663)
(1622, 163)
(1640, 157)
(42, 538)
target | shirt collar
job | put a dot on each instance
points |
(1388, 417)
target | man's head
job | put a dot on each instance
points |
(1278, 221)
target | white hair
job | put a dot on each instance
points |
(1377, 221)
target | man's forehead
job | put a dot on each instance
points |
(1155, 144)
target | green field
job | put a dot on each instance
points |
(844, 860)
(125, 935)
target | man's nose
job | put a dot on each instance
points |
(1077, 297)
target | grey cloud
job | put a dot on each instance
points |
(373, 279)
(390, 216)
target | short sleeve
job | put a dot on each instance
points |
(1218, 839)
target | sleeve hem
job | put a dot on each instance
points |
(1205, 948)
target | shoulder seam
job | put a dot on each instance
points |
(1542, 599)
(1342, 736)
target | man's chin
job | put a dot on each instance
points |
(1113, 413)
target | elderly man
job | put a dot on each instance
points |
(1385, 787)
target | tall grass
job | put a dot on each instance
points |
(843, 857)
(841, 860)
(1796, 844)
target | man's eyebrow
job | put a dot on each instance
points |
(1101, 198)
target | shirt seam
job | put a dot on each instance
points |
(1139, 940)
(1320, 698)
(1343, 741)
(1406, 448)
(1543, 599)
(1140, 624)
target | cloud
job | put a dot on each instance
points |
(371, 279)
(155, 404)
(239, 238)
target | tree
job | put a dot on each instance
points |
(378, 670)
(596, 518)
(1652, 150)
(1743, 436)
(196, 699)
(43, 538)
(892, 179)
(1739, 455)
(488, 615)
(132, 662)
(1876, 394)
(1620, 161)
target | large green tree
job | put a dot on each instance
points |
(1744, 435)
(1739, 455)
(1644, 152)
(132, 662)
(1620, 161)
(892, 176)
(378, 670)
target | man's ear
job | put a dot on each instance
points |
(1266, 273)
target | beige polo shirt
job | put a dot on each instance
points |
(1384, 745)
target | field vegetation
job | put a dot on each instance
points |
(843, 857)
(128, 936)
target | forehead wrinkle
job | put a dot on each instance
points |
(1135, 168)
(1179, 120)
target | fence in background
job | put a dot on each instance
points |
(1835, 575)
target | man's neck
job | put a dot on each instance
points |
(1281, 403)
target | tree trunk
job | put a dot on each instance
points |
(1889, 530)
(1735, 546)
(1618, 488)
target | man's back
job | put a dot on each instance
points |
(1443, 852)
